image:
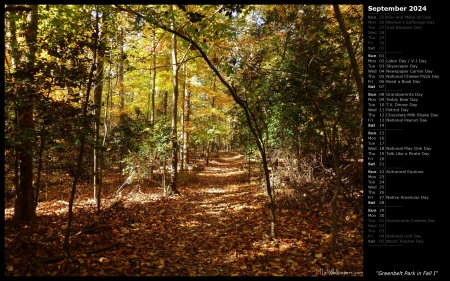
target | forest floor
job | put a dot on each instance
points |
(218, 226)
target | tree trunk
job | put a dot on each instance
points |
(164, 104)
(334, 227)
(152, 114)
(351, 54)
(38, 182)
(120, 75)
(208, 145)
(172, 188)
(66, 245)
(98, 106)
(183, 121)
(24, 204)
(187, 112)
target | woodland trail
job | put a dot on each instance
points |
(216, 227)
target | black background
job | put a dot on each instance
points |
(416, 258)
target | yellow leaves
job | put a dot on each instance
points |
(352, 251)
(283, 247)
(318, 255)
(10, 268)
(161, 263)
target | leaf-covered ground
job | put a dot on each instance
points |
(216, 227)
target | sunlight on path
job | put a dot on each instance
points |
(216, 227)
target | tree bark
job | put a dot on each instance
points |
(172, 187)
(98, 106)
(24, 205)
(152, 114)
(183, 121)
(121, 65)
(187, 113)
(66, 245)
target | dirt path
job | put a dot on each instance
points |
(216, 227)
(212, 225)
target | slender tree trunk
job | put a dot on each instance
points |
(66, 245)
(208, 144)
(165, 104)
(98, 106)
(152, 115)
(187, 113)
(39, 171)
(24, 204)
(163, 179)
(182, 153)
(337, 190)
(172, 188)
(351, 54)
(106, 117)
(121, 66)
(98, 91)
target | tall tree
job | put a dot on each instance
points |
(121, 68)
(24, 207)
(66, 245)
(185, 117)
(98, 90)
(153, 93)
(172, 187)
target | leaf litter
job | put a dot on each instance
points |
(216, 227)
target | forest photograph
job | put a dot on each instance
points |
(183, 140)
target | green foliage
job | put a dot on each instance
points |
(287, 63)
